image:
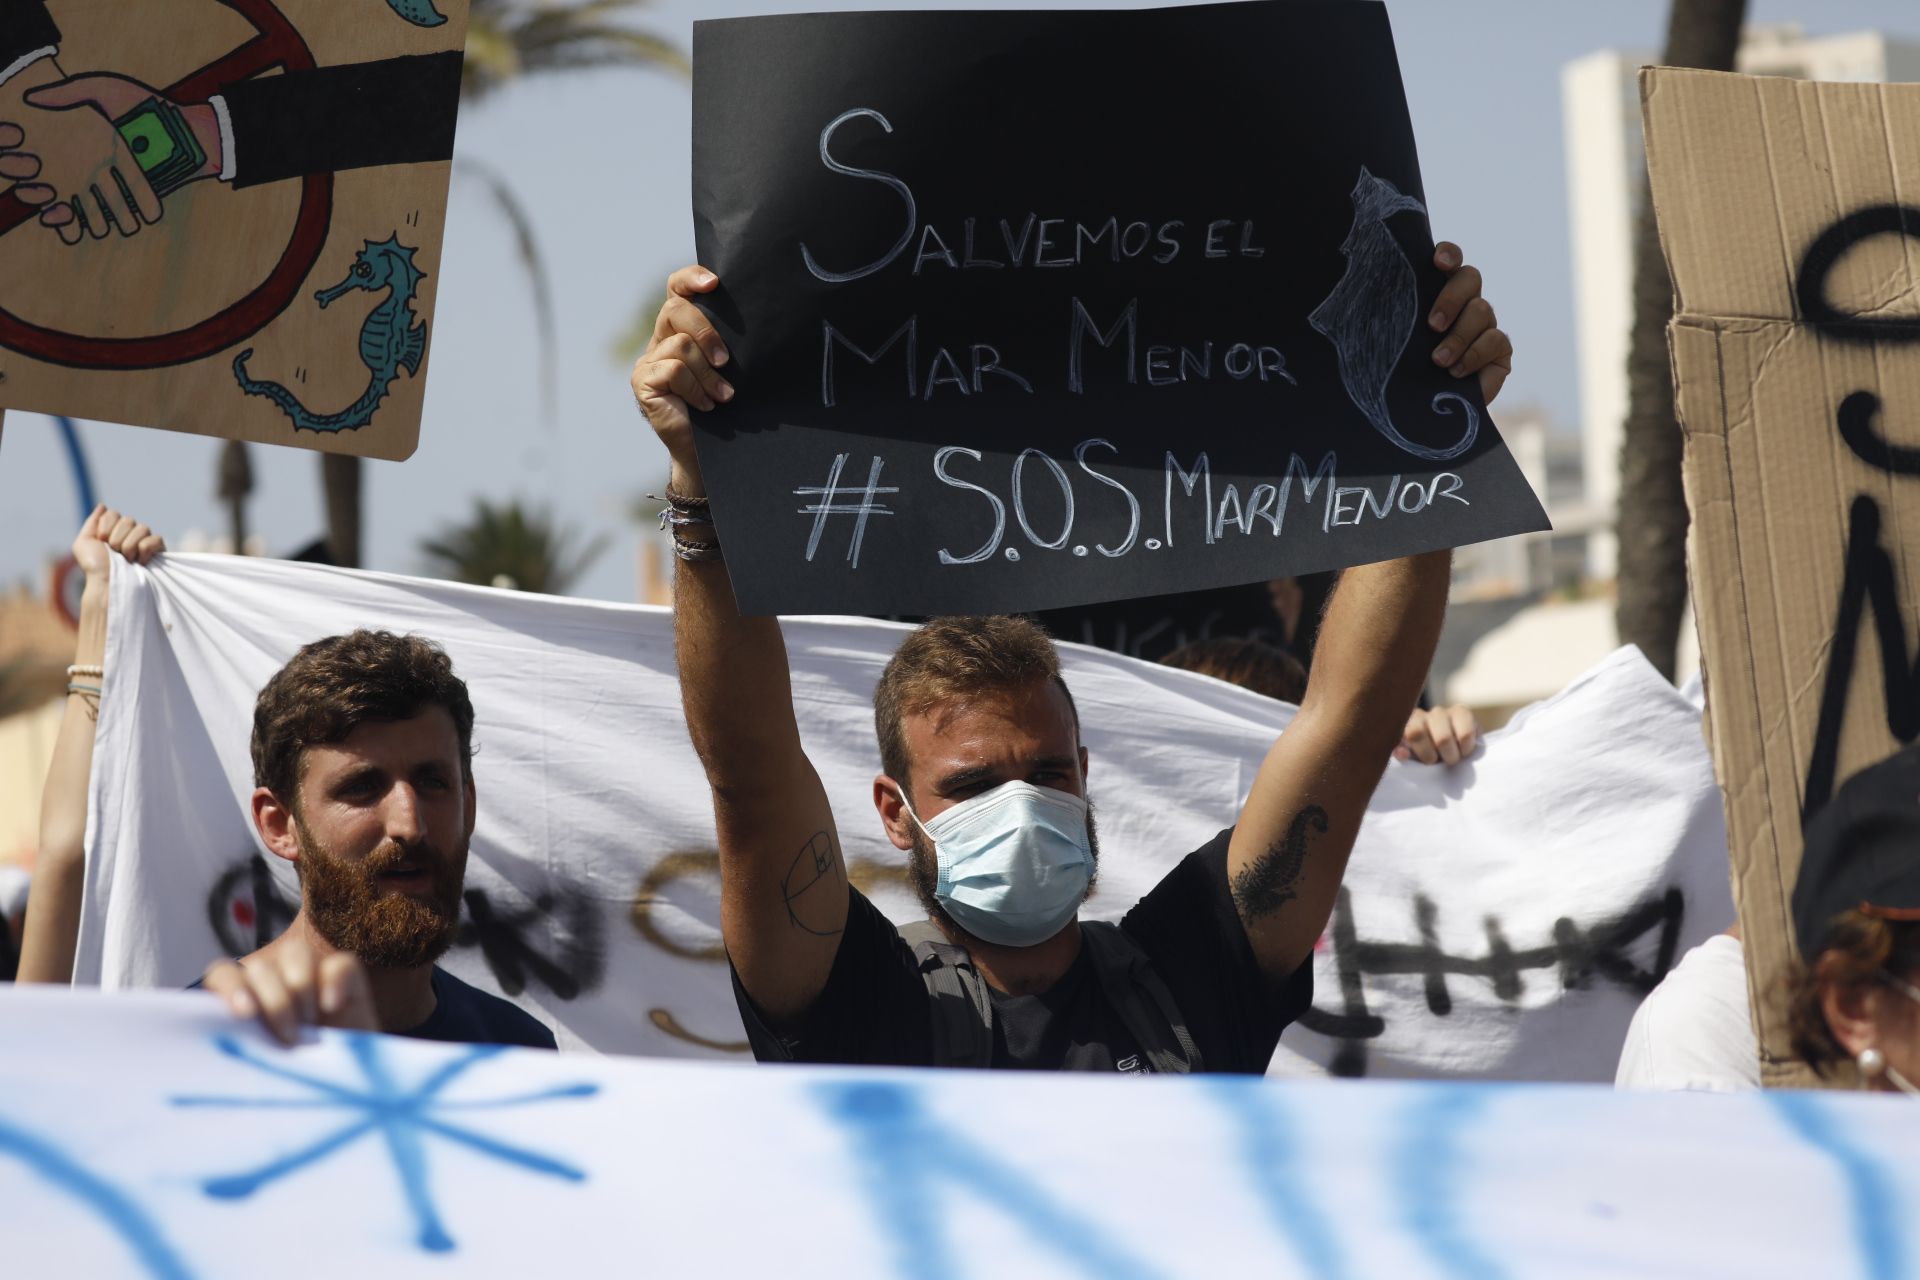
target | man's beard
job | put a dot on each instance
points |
(923, 873)
(386, 929)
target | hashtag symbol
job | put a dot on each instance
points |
(858, 503)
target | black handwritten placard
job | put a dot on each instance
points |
(1036, 309)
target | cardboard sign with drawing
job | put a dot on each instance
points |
(224, 216)
(1796, 355)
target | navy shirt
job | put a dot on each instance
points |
(468, 1015)
(875, 1008)
(464, 1014)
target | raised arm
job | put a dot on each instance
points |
(783, 881)
(47, 943)
(1289, 851)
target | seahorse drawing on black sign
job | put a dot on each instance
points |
(1370, 316)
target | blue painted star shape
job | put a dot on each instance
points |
(403, 1116)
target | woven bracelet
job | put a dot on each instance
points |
(695, 552)
(680, 501)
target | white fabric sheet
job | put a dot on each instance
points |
(1501, 920)
(1695, 1031)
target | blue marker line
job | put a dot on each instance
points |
(399, 1119)
(238, 1186)
(1276, 1172)
(520, 1100)
(902, 1151)
(297, 1104)
(503, 1151)
(107, 1202)
(1876, 1215)
(234, 1049)
(1428, 1173)
(903, 1206)
(401, 1116)
(444, 1076)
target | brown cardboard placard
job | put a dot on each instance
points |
(284, 294)
(1789, 213)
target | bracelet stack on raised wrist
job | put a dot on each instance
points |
(683, 512)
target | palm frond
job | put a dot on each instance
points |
(507, 40)
(605, 49)
(528, 248)
(510, 545)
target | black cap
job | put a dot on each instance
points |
(1862, 852)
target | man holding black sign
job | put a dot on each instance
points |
(985, 785)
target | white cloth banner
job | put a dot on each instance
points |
(149, 1136)
(1501, 918)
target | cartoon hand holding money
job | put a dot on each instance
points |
(98, 152)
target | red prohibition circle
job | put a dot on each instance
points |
(278, 44)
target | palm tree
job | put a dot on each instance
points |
(508, 40)
(510, 546)
(1652, 519)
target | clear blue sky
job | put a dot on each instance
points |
(601, 158)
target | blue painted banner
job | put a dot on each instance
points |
(147, 1135)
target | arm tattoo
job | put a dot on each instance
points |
(1266, 884)
(808, 887)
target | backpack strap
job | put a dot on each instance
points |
(961, 1008)
(1142, 999)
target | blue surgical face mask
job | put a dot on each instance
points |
(1014, 863)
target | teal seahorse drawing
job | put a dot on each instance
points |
(420, 13)
(391, 339)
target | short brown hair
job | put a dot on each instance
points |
(333, 686)
(1249, 663)
(1860, 950)
(950, 658)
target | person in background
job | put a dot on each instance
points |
(1855, 995)
(1694, 1031)
(1251, 664)
(1856, 915)
(1438, 735)
(52, 922)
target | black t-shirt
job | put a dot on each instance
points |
(875, 1009)
(467, 1015)
(463, 1014)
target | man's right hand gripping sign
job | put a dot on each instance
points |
(984, 786)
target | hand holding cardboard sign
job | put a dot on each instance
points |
(1474, 344)
(288, 986)
(680, 368)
